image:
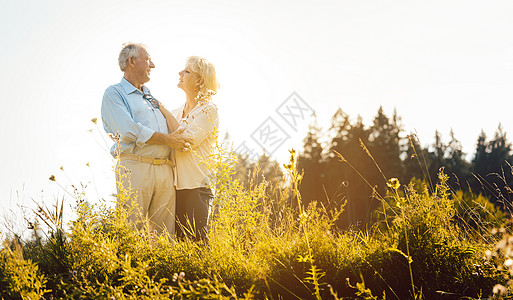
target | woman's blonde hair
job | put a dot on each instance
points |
(207, 72)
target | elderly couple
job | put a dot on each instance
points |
(161, 154)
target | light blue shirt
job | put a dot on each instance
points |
(127, 113)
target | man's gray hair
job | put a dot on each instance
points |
(129, 50)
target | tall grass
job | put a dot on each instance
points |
(261, 247)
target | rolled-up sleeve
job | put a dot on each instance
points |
(117, 119)
(203, 124)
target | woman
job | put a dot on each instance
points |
(199, 118)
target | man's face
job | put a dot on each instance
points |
(142, 66)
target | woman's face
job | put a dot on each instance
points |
(188, 80)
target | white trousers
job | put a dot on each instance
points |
(153, 194)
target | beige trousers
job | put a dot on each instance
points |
(153, 195)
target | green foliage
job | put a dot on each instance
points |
(443, 249)
(477, 213)
(390, 152)
(491, 168)
(261, 247)
(20, 278)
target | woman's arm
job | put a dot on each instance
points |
(172, 124)
(203, 125)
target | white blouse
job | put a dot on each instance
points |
(200, 125)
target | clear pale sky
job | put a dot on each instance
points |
(441, 64)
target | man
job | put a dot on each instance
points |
(143, 145)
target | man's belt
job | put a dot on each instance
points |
(147, 159)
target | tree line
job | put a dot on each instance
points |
(351, 163)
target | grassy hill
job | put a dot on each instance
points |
(427, 243)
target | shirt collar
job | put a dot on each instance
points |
(129, 88)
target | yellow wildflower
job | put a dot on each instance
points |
(393, 183)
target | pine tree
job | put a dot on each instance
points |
(436, 159)
(415, 160)
(359, 193)
(310, 161)
(491, 168)
(455, 164)
(335, 170)
(253, 173)
(384, 145)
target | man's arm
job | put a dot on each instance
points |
(172, 123)
(117, 119)
(175, 139)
